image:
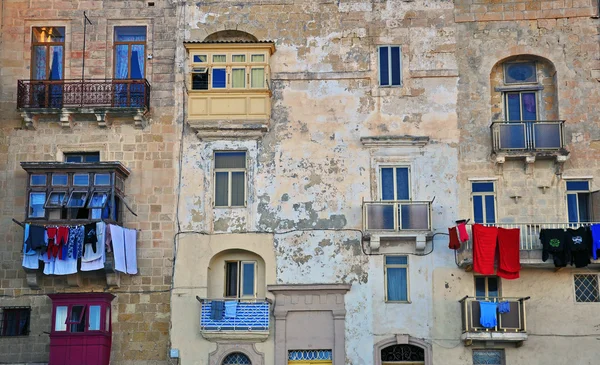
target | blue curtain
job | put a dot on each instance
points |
(56, 73)
(572, 208)
(121, 73)
(137, 72)
(38, 92)
(397, 286)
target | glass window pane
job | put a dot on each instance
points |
(238, 78)
(238, 183)
(56, 199)
(478, 209)
(121, 65)
(59, 179)
(482, 187)
(235, 159)
(98, 200)
(513, 102)
(199, 58)
(56, 66)
(219, 78)
(81, 179)
(493, 287)
(257, 78)
(130, 34)
(396, 260)
(490, 212)
(137, 62)
(521, 72)
(487, 357)
(74, 158)
(38, 180)
(231, 279)
(76, 319)
(248, 278)
(397, 284)
(92, 157)
(414, 216)
(36, 205)
(583, 199)
(480, 287)
(258, 58)
(529, 106)
(380, 216)
(48, 34)
(102, 179)
(573, 211)
(402, 183)
(396, 68)
(60, 319)
(384, 66)
(39, 63)
(219, 58)
(94, 320)
(221, 189)
(77, 199)
(200, 81)
(578, 185)
(387, 183)
(238, 58)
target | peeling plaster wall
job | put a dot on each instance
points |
(308, 175)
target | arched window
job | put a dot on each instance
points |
(237, 358)
(402, 354)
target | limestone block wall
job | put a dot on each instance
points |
(141, 309)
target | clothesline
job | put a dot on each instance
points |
(78, 223)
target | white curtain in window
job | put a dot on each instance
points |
(257, 78)
(60, 319)
(238, 78)
(94, 324)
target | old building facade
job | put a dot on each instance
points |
(292, 168)
(124, 116)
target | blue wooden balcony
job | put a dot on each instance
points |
(250, 320)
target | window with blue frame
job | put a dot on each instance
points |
(483, 195)
(394, 185)
(396, 278)
(578, 201)
(390, 66)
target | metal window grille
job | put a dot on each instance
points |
(402, 353)
(488, 357)
(300, 355)
(14, 321)
(586, 288)
(237, 358)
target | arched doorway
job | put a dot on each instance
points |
(402, 354)
(236, 358)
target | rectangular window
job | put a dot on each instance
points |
(48, 45)
(14, 321)
(130, 52)
(488, 357)
(81, 179)
(77, 199)
(94, 322)
(60, 179)
(238, 78)
(257, 78)
(228, 71)
(230, 179)
(56, 199)
(38, 180)
(81, 318)
(396, 278)
(82, 157)
(240, 277)
(586, 288)
(36, 205)
(60, 319)
(390, 66)
(521, 106)
(487, 286)
(579, 201)
(483, 196)
(77, 318)
(395, 183)
(102, 179)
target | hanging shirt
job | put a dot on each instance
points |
(595, 229)
(579, 241)
(553, 242)
(488, 317)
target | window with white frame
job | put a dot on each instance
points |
(586, 288)
(230, 179)
(396, 279)
(235, 70)
(487, 286)
(578, 201)
(240, 279)
(483, 195)
(390, 65)
(395, 183)
(488, 357)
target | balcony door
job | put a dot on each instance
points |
(47, 66)
(129, 64)
(395, 185)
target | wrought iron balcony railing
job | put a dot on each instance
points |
(528, 136)
(58, 94)
(530, 233)
(397, 215)
(250, 315)
(514, 321)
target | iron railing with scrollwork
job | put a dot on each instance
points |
(92, 93)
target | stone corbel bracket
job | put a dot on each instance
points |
(31, 121)
(113, 278)
(33, 278)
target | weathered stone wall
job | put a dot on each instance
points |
(141, 309)
(308, 175)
